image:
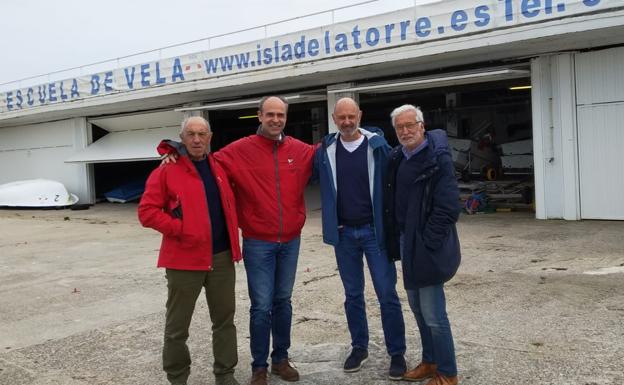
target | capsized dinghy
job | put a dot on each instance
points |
(36, 193)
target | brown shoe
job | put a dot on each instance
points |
(259, 376)
(421, 372)
(286, 370)
(441, 379)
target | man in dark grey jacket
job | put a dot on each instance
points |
(421, 208)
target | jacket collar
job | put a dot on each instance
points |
(426, 158)
(374, 140)
(280, 140)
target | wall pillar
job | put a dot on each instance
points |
(555, 147)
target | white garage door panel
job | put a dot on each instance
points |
(601, 160)
(39, 163)
(600, 76)
(122, 146)
(140, 121)
(51, 134)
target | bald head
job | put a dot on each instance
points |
(272, 113)
(346, 102)
(347, 117)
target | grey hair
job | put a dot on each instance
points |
(406, 108)
(188, 120)
(264, 99)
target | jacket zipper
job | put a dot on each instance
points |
(425, 203)
(279, 199)
(195, 174)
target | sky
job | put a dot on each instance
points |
(43, 36)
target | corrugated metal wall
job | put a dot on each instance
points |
(600, 111)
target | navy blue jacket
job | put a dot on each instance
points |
(431, 252)
(325, 173)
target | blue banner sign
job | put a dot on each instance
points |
(423, 23)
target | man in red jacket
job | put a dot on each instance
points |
(192, 205)
(268, 172)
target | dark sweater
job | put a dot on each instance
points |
(354, 200)
(220, 239)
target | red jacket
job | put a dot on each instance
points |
(186, 242)
(268, 178)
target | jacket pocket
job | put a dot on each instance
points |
(176, 212)
(191, 235)
(446, 258)
(174, 207)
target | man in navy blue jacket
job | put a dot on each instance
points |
(422, 206)
(350, 165)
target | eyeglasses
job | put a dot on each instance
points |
(411, 126)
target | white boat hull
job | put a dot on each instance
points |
(36, 193)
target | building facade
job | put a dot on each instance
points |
(492, 71)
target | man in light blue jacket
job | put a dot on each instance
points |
(350, 166)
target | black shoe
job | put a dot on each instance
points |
(398, 367)
(355, 360)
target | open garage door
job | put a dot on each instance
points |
(235, 119)
(130, 138)
(123, 152)
(438, 81)
(486, 113)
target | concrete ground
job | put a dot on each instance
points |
(534, 302)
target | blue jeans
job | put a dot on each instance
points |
(429, 307)
(353, 242)
(271, 269)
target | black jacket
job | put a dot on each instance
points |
(431, 251)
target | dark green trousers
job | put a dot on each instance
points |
(184, 287)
